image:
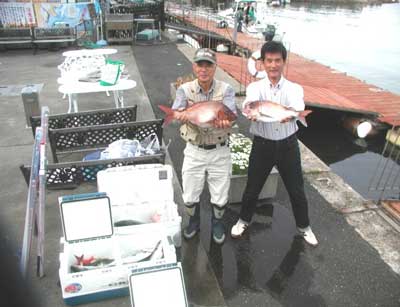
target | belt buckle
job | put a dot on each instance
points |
(211, 146)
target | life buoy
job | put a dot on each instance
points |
(251, 65)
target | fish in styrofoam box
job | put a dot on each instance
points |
(141, 194)
(95, 264)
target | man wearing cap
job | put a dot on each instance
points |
(207, 155)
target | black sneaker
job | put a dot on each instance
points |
(218, 231)
(193, 228)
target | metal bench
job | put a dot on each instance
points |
(53, 35)
(15, 36)
(83, 139)
(88, 118)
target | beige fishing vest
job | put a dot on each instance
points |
(203, 136)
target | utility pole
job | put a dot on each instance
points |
(235, 25)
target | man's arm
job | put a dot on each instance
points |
(180, 104)
(229, 101)
(252, 95)
(296, 98)
(180, 101)
(295, 101)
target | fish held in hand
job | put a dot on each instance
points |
(202, 114)
(272, 112)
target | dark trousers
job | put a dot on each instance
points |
(285, 155)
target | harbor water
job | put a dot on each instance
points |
(362, 41)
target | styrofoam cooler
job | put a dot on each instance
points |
(88, 231)
(144, 195)
(159, 286)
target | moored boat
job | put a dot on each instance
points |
(255, 19)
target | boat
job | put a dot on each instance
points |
(260, 22)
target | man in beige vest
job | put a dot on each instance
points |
(207, 155)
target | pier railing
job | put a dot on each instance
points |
(202, 28)
(384, 185)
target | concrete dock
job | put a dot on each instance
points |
(356, 264)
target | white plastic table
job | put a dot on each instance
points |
(89, 52)
(74, 88)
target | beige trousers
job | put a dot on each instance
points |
(213, 165)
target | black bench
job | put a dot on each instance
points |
(53, 35)
(87, 118)
(15, 36)
(89, 138)
(69, 175)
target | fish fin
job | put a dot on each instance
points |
(220, 115)
(303, 121)
(305, 113)
(302, 117)
(169, 114)
(229, 113)
(79, 260)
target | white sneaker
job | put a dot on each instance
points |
(238, 229)
(308, 235)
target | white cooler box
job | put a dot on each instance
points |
(141, 195)
(95, 264)
(161, 286)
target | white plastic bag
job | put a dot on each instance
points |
(150, 145)
(121, 149)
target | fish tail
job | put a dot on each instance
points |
(169, 114)
(302, 117)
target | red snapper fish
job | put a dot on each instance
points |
(202, 114)
(266, 111)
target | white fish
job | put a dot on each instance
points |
(272, 112)
(145, 254)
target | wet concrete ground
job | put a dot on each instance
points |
(271, 266)
(21, 67)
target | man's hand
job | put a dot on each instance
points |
(249, 111)
(180, 115)
(222, 123)
(286, 119)
(252, 117)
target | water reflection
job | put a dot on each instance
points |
(357, 39)
(266, 260)
(342, 152)
(244, 264)
(280, 278)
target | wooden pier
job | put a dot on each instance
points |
(323, 86)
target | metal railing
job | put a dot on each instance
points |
(385, 181)
(34, 216)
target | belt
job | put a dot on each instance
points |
(285, 140)
(213, 146)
